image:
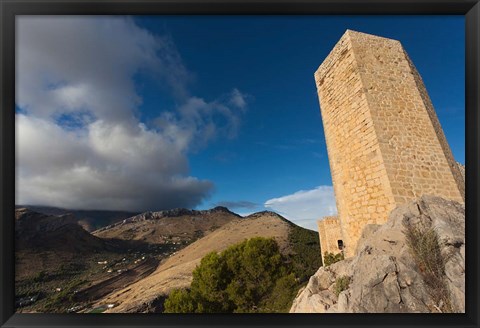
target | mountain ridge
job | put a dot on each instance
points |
(165, 245)
(176, 212)
(90, 220)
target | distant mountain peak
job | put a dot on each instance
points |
(183, 211)
(172, 213)
(266, 212)
(220, 209)
(271, 213)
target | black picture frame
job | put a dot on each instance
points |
(10, 8)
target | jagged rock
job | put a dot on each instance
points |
(384, 276)
(176, 212)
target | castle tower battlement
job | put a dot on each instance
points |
(384, 141)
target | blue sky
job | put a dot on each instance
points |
(154, 112)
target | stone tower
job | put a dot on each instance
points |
(384, 141)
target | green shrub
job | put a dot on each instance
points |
(341, 284)
(252, 276)
(282, 295)
(179, 301)
(306, 248)
(424, 245)
(330, 258)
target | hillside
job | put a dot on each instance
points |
(53, 252)
(132, 263)
(48, 232)
(178, 226)
(176, 271)
(55, 257)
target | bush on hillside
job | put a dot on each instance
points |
(252, 276)
(330, 258)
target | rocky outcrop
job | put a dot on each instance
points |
(462, 170)
(176, 212)
(384, 276)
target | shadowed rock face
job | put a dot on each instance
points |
(39, 232)
(384, 277)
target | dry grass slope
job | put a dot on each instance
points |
(176, 271)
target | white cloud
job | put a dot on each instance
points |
(245, 214)
(79, 143)
(196, 122)
(305, 207)
(238, 99)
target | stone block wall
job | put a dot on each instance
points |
(384, 141)
(330, 233)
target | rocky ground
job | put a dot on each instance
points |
(384, 276)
